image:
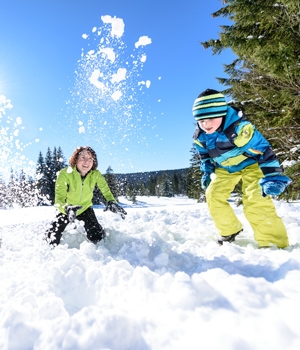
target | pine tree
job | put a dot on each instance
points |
(3, 194)
(265, 77)
(131, 193)
(11, 189)
(293, 191)
(182, 184)
(26, 194)
(46, 174)
(194, 189)
(49, 177)
(58, 160)
(166, 186)
(152, 185)
(122, 185)
(98, 197)
(141, 189)
(32, 192)
(112, 182)
(175, 183)
(40, 179)
(21, 190)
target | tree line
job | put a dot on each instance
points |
(25, 191)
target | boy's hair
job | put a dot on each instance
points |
(78, 150)
(209, 104)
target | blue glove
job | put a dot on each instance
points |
(205, 180)
(274, 185)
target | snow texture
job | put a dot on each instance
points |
(158, 281)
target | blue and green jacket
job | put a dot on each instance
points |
(234, 146)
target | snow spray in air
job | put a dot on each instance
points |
(107, 97)
(12, 156)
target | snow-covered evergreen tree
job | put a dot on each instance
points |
(166, 186)
(152, 185)
(194, 177)
(49, 177)
(41, 180)
(46, 173)
(58, 161)
(130, 193)
(264, 78)
(3, 195)
(112, 182)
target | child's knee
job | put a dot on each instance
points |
(96, 236)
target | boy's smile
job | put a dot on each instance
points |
(210, 125)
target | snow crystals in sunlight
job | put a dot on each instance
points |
(143, 41)
(158, 281)
(117, 25)
(108, 88)
(11, 147)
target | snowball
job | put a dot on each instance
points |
(143, 41)
(117, 25)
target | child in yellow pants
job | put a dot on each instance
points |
(259, 211)
(232, 149)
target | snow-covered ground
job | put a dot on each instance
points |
(159, 281)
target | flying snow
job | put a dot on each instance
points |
(94, 80)
(143, 41)
(117, 25)
(109, 53)
(119, 76)
(108, 88)
(11, 148)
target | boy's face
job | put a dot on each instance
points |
(210, 125)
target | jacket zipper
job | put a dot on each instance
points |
(82, 182)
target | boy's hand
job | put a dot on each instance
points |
(273, 188)
(205, 180)
(274, 185)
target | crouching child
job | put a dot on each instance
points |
(74, 189)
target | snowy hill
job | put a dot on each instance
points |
(159, 281)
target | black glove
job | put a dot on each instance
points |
(71, 212)
(115, 208)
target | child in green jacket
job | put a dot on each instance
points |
(74, 193)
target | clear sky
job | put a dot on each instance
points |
(120, 76)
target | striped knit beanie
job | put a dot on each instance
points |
(209, 104)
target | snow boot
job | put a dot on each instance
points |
(229, 239)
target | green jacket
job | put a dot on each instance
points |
(71, 189)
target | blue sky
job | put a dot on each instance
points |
(51, 49)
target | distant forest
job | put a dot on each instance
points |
(24, 191)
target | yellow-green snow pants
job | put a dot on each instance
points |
(259, 211)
